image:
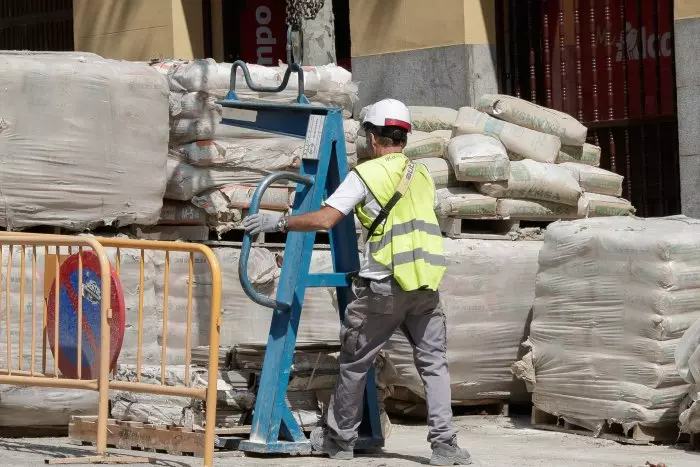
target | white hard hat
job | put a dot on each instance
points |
(389, 112)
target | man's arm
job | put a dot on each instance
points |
(324, 219)
(340, 204)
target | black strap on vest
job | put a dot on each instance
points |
(401, 190)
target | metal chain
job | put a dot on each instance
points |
(302, 9)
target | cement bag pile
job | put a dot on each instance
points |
(217, 167)
(487, 294)
(83, 141)
(534, 139)
(688, 363)
(613, 298)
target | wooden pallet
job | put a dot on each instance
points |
(639, 435)
(482, 229)
(404, 403)
(139, 436)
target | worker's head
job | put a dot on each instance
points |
(386, 124)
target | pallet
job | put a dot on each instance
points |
(405, 403)
(639, 435)
(139, 436)
(490, 228)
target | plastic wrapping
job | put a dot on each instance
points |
(264, 154)
(607, 319)
(687, 358)
(487, 294)
(328, 85)
(83, 141)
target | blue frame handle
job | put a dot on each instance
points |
(248, 240)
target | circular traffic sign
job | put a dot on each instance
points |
(91, 320)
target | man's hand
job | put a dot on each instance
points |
(261, 222)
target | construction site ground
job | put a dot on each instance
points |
(492, 440)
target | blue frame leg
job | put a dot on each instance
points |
(324, 165)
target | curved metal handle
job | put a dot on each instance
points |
(293, 67)
(248, 288)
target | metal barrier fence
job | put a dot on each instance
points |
(43, 332)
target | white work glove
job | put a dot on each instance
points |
(262, 222)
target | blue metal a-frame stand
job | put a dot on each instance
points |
(323, 167)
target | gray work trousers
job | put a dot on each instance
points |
(380, 307)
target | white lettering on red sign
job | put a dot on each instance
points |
(633, 39)
(263, 35)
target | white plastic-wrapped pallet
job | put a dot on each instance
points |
(478, 158)
(595, 179)
(588, 154)
(240, 196)
(595, 205)
(613, 297)
(535, 117)
(533, 180)
(192, 105)
(687, 357)
(319, 318)
(186, 181)
(24, 406)
(528, 143)
(487, 295)
(440, 171)
(328, 85)
(83, 141)
(464, 202)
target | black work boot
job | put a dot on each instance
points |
(329, 447)
(449, 454)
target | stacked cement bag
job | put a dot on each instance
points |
(216, 166)
(487, 295)
(533, 133)
(83, 141)
(613, 297)
(688, 364)
(510, 159)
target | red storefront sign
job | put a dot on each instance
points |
(633, 50)
(263, 33)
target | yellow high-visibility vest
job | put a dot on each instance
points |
(410, 242)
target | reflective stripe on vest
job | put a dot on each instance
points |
(410, 241)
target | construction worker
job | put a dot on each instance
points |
(397, 286)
